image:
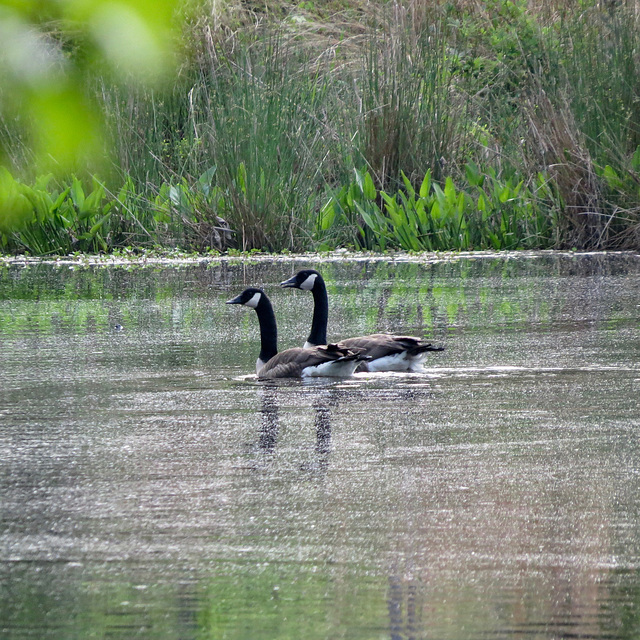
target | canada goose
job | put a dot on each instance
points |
(387, 352)
(327, 360)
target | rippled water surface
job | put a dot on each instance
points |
(152, 488)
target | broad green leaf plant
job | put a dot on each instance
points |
(489, 213)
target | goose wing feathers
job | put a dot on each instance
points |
(379, 345)
(291, 363)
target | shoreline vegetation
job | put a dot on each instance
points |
(371, 126)
(176, 258)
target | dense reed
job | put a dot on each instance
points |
(433, 126)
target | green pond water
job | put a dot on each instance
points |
(151, 487)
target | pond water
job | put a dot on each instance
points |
(152, 488)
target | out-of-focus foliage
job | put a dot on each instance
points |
(48, 51)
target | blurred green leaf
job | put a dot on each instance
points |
(15, 208)
(44, 77)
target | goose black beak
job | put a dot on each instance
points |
(235, 300)
(290, 283)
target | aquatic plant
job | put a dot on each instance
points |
(42, 220)
(194, 210)
(490, 213)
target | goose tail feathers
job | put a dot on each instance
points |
(423, 348)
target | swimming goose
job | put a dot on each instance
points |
(387, 352)
(320, 360)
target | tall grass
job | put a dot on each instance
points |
(584, 128)
(408, 115)
(264, 134)
(251, 118)
(603, 76)
(274, 112)
(561, 99)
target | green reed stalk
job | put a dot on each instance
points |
(409, 116)
(263, 133)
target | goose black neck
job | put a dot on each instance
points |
(268, 329)
(318, 333)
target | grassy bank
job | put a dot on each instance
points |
(418, 126)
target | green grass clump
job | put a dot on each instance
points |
(45, 220)
(489, 213)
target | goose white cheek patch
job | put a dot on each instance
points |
(254, 301)
(307, 285)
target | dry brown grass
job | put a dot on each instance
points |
(589, 221)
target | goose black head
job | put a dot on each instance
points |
(249, 298)
(304, 280)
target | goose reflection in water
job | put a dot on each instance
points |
(402, 604)
(270, 424)
(325, 400)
